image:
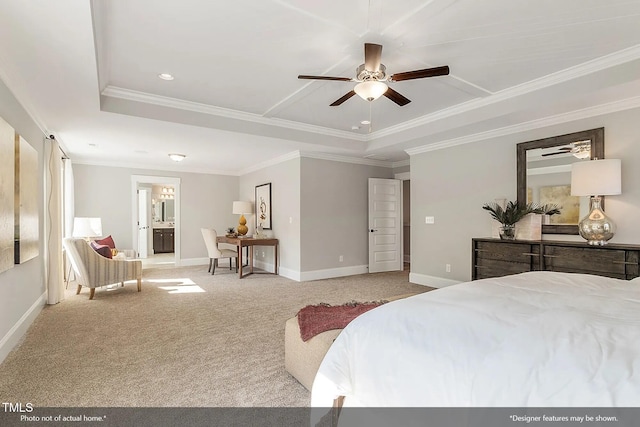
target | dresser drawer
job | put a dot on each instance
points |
(589, 260)
(495, 259)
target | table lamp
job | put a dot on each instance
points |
(596, 178)
(242, 208)
(86, 228)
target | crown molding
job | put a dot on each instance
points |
(197, 107)
(280, 159)
(151, 168)
(401, 163)
(585, 113)
(346, 159)
(599, 64)
(321, 156)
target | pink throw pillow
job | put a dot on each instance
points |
(107, 241)
(103, 250)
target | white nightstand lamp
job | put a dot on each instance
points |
(86, 228)
(596, 178)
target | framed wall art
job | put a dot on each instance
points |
(26, 201)
(7, 195)
(263, 206)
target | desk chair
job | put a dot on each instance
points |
(211, 241)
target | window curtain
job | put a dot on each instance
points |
(69, 201)
(53, 269)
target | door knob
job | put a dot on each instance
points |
(372, 230)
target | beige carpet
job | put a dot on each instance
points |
(188, 339)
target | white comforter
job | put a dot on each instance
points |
(534, 339)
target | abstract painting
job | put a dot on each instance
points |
(569, 205)
(7, 195)
(26, 201)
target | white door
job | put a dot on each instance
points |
(385, 225)
(143, 223)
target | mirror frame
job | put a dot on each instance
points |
(597, 152)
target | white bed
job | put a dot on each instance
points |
(539, 339)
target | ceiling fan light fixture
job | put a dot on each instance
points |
(370, 90)
(586, 154)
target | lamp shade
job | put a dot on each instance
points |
(596, 178)
(370, 89)
(240, 207)
(87, 227)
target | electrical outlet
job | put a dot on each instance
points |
(262, 254)
(447, 268)
(341, 259)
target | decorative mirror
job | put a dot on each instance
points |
(544, 175)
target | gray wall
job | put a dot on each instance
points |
(22, 286)
(206, 201)
(285, 208)
(452, 184)
(334, 211)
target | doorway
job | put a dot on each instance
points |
(156, 219)
(385, 225)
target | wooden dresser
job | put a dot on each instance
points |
(495, 257)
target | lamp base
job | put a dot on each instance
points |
(596, 227)
(242, 226)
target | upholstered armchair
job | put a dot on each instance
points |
(211, 241)
(93, 270)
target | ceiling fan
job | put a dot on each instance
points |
(371, 77)
(579, 149)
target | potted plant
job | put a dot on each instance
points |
(231, 232)
(509, 216)
(548, 210)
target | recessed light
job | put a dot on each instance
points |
(166, 76)
(177, 157)
(365, 122)
(354, 127)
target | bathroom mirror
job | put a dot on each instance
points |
(164, 210)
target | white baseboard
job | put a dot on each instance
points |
(9, 341)
(333, 272)
(433, 281)
(289, 274)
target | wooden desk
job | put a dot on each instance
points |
(250, 242)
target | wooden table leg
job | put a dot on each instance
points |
(240, 260)
(251, 259)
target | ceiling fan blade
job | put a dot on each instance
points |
(396, 97)
(561, 150)
(342, 99)
(420, 74)
(372, 55)
(342, 79)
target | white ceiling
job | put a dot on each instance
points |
(87, 72)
